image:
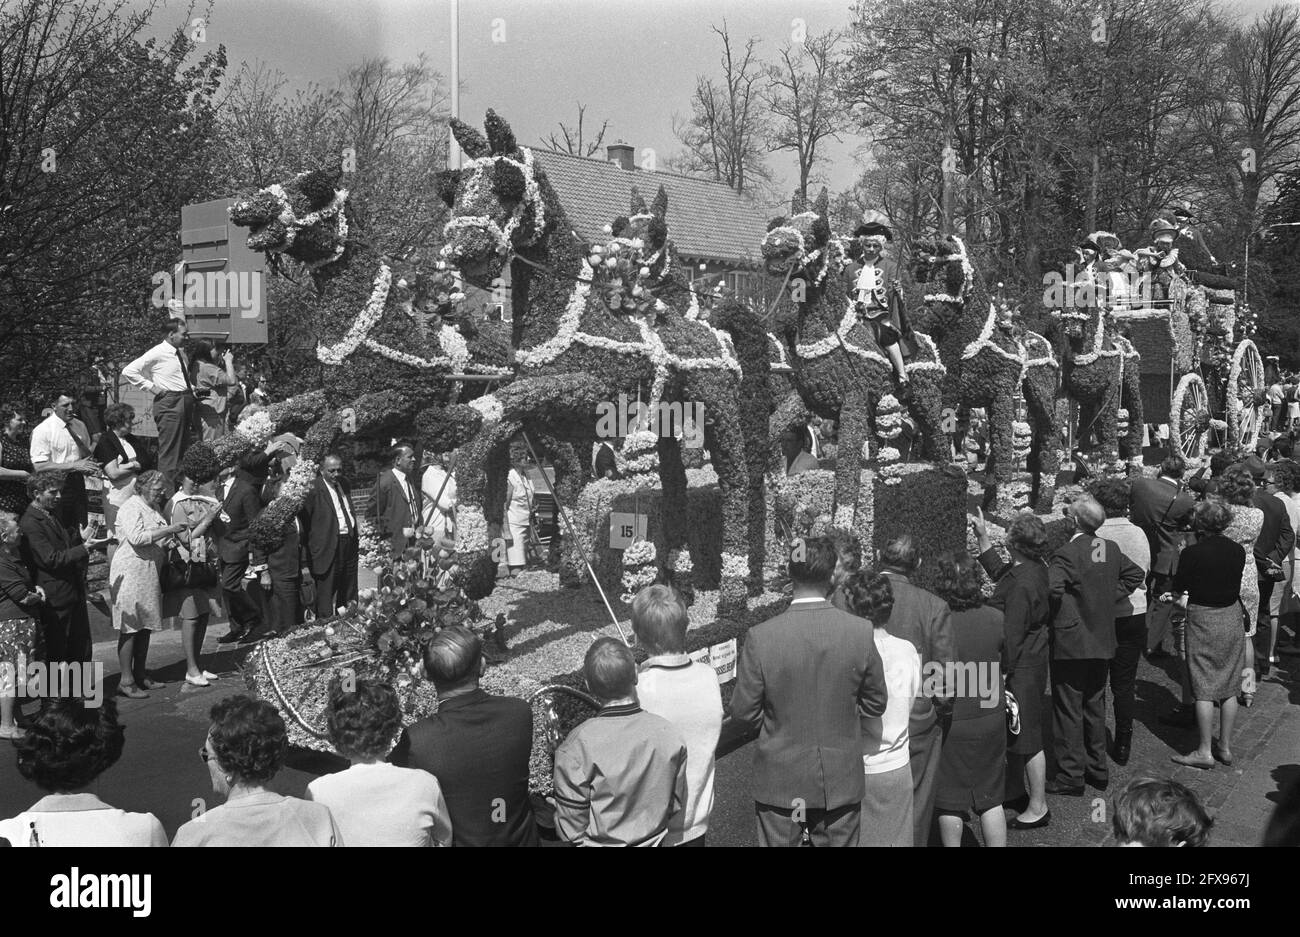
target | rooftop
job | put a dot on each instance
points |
(706, 220)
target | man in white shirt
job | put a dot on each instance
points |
(164, 371)
(685, 692)
(438, 486)
(61, 443)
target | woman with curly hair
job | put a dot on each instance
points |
(65, 750)
(375, 803)
(1209, 578)
(133, 579)
(887, 816)
(973, 768)
(122, 457)
(1238, 490)
(244, 750)
(15, 459)
(1023, 594)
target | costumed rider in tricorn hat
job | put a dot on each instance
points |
(874, 286)
(1168, 266)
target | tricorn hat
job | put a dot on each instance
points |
(1162, 226)
(1088, 244)
(874, 224)
(1105, 240)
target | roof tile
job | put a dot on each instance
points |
(706, 220)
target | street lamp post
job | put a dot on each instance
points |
(1245, 289)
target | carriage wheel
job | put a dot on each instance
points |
(1189, 425)
(1247, 404)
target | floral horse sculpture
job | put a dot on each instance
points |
(573, 352)
(988, 361)
(839, 370)
(380, 366)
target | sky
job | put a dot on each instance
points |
(633, 63)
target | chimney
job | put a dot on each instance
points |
(623, 154)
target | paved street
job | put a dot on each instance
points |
(160, 770)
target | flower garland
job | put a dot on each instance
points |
(337, 353)
(781, 359)
(651, 346)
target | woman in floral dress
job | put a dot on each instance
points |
(133, 578)
(1238, 488)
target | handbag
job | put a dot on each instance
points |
(179, 573)
(1013, 713)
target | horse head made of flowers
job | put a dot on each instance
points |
(637, 262)
(800, 245)
(303, 218)
(496, 200)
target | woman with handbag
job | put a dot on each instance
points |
(195, 557)
(134, 578)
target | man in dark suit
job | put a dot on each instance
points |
(924, 619)
(397, 501)
(605, 465)
(1163, 510)
(1087, 577)
(58, 559)
(805, 680)
(331, 538)
(233, 531)
(477, 745)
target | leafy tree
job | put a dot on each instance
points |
(103, 137)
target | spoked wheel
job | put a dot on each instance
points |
(1189, 423)
(1247, 400)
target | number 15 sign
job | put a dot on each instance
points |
(625, 528)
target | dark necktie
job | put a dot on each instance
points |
(185, 371)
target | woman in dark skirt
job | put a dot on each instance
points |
(1209, 576)
(1023, 596)
(973, 766)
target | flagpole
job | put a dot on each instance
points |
(453, 153)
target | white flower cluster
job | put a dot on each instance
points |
(639, 569)
(735, 566)
(639, 454)
(1022, 437)
(471, 529)
(679, 561)
(257, 428)
(490, 406)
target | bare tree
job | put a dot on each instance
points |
(802, 97)
(726, 135)
(574, 141)
(1263, 63)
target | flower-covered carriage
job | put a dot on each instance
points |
(1198, 362)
